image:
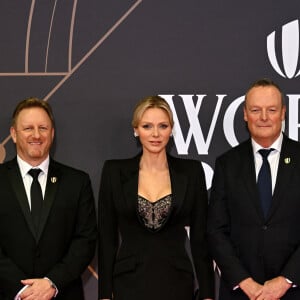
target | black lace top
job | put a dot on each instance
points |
(154, 214)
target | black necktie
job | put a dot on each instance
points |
(36, 197)
(264, 181)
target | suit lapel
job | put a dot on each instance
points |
(19, 189)
(53, 181)
(249, 176)
(284, 172)
(129, 176)
(178, 185)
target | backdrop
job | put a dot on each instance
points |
(94, 59)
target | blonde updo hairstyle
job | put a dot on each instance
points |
(151, 102)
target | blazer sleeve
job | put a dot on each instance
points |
(108, 229)
(291, 269)
(233, 272)
(198, 239)
(82, 246)
(10, 276)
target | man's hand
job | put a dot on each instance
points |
(38, 289)
(274, 289)
(251, 288)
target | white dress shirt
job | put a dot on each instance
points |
(273, 158)
(27, 180)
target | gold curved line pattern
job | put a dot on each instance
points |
(71, 71)
(71, 35)
(2, 149)
(93, 272)
(34, 74)
(28, 35)
(49, 35)
(2, 153)
(93, 49)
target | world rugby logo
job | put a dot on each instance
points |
(288, 65)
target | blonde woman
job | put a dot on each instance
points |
(145, 204)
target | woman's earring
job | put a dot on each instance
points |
(135, 134)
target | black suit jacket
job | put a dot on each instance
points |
(242, 242)
(127, 269)
(65, 243)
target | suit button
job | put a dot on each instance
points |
(265, 227)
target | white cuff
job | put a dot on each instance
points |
(17, 297)
(290, 282)
(52, 285)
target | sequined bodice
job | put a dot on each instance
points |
(154, 214)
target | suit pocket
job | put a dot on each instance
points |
(125, 265)
(182, 265)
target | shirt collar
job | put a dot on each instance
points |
(25, 166)
(276, 145)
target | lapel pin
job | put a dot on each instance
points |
(53, 179)
(287, 160)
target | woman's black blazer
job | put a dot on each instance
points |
(128, 247)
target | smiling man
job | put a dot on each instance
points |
(47, 214)
(254, 223)
(33, 132)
